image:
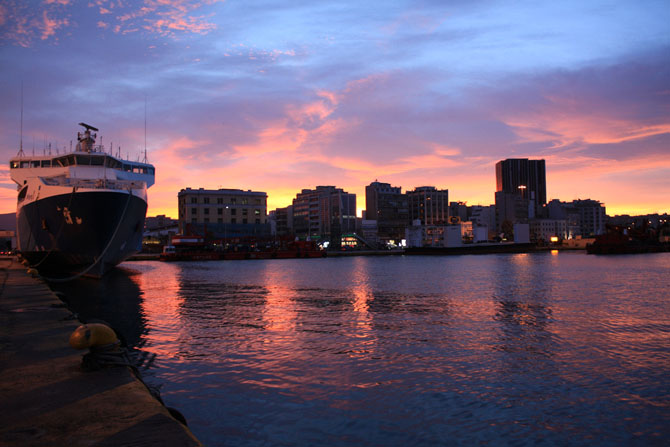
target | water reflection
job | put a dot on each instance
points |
(522, 308)
(115, 299)
(560, 349)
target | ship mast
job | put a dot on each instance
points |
(21, 131)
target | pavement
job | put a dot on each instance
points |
(47, 399)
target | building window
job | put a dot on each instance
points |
(219, 211)
(205, 200)
(194, 220)
(258, 221)
(258, 201)
(219, 220)
(206, 220)
(206, 210)
(245, 212)
(233, 220)
(194, 211)
(233, 211)
(194, 200)
(244, 220)
(245, 201)
(219, 200)
(233, 200)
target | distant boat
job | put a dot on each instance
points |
(194, 248)
(619, 240)
(80, 213)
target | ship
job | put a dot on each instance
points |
(620, 240)
(79, 213)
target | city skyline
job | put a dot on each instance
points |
(278, 98)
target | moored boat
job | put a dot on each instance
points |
(79, 213)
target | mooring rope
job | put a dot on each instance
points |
(104, 252)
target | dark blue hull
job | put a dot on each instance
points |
(82, 232)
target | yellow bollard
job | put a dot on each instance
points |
(92, 335)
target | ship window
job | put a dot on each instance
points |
(69, 160)
(113, 163)
(84, 160)
(127, 168)
(152, 171)
(25, 164)
(14, 164)
(46, 163)
(35, 163)
(97, 160)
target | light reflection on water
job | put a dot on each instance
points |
(568, 349)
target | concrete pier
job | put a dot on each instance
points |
(46, 398)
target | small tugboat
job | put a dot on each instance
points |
(80, 213)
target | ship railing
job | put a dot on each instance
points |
(93, 183)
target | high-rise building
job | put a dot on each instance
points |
(223, 213)
(429, 205)
(325, 212)
(388, 206)
(526, 178)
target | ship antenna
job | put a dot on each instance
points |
(21, 131)
(145, 128)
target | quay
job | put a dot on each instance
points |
(46, 398)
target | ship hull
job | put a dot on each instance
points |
(86, 232)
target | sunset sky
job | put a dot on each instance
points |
(279, 96)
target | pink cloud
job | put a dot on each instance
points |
(50, 26)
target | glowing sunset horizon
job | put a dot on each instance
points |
(279, 98)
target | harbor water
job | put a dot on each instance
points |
(520, 349)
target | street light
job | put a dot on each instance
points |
(523, 190)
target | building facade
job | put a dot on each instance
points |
(283, 218)
(545, 229)
(388, 206)
(429, 205)
(510, 208)
(223, 213)
(526, 178)
(585, 218)
(324, 213)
